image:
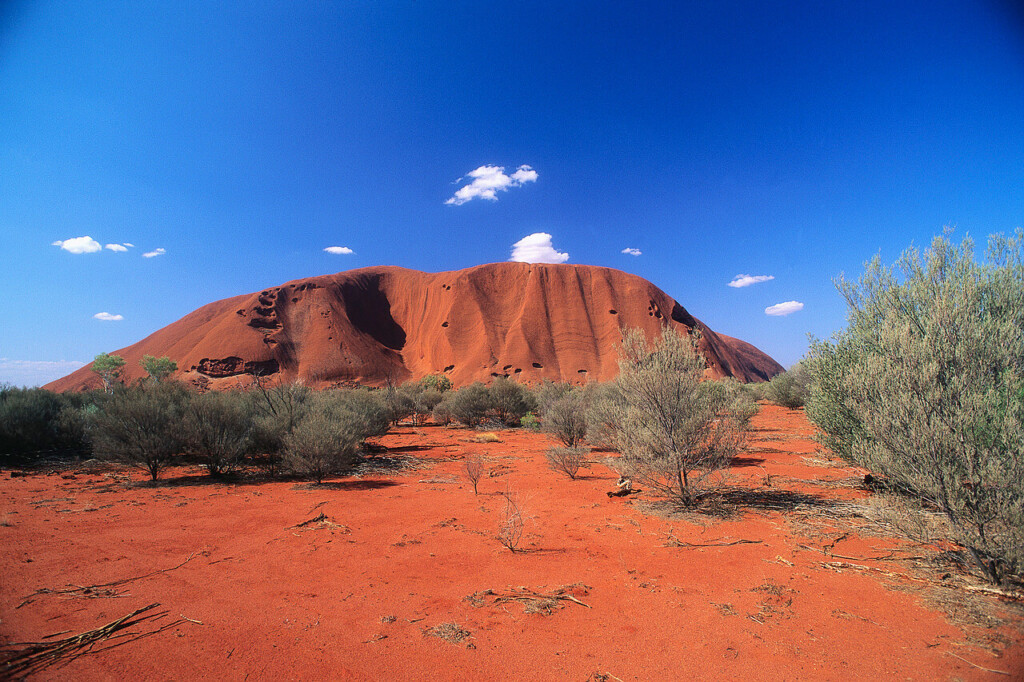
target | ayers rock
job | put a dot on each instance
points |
(368, 326)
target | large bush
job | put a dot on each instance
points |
(468, 405)
(511, 401)
(277, 411)
(926, 388)
(566, 417)
(791, 388)
(219, 428)
(36, 422)
(674, 429)
(141, 426)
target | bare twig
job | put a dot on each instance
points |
(988, 670)
(673, 541)
(533, 601)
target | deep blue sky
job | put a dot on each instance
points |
(791, 139)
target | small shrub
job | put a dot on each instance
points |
(566, 460)
(605, 408)
(277, 411)
(468, 405)
(487, 437)
(740, 400)
(530, 421)
(510, 400)
(436, 382)
(789, 389)
(219, 427)
(513, 520)
(326, 441)
(474, 468)
(566, 418)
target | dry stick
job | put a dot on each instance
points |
(988, 670)
(315, 519)
(676, 542)
(86, 589)
(36, 656)
(890, 555)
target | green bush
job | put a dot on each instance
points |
(925, 387)
(141, 426)
(34, 421)
(277, 411)
(510, 401)
(566, 418)
(791, 388)
(740, 400)
(219, 428)
(468, 405)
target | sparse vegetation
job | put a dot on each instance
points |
(565, 417)
(791, 388)
(510, 401)
(219, 428)
(469, 405)
(513, 520)
(568, 461)
(925, 388)
(674, 430)
(474, 468)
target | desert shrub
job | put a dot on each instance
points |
(141, 426)
(512, 521)
(468, 405)
(218, 427)
(566, 418)
(741, 402)
(925, 387)
(419, 401)
(399, 403)
(566, 460)
(325, 442)
(442, 413)
(474, 468)
(791, 388)
(510, 401)
(673, 429)
(363, 407)
(547, 393)
(28, 420)
(277, 411)
(604, 408)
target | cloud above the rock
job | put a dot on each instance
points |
(339, 250)
(78, 245)
(783, 309)
(487, 181)
(746, 280)
(154, 253)
(537, 248)
(631, 251)
(107, 317)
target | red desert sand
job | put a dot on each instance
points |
(396, 573)
(379, 324)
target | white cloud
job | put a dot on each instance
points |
(116, 247)
(339, 250)
(154, 252)
(632, 252)
(35, 372)
(79, 245)
(130, 246)
(780, 309)
(536, 248)
(746, 280)
(488, 181)
(107, 317)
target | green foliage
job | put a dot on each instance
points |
(33, 421)
(219, 428)
(791, 388)
(548, 392)
(468, 405)
(510, 400)
(604, 407)
(277, 411)
(566, 417)
(925, 388)
(141, 426)
(530, 421)
(418, 400)
(109, 367)
(674, 429)
(436, 382)
(740, 400)
(158, 368)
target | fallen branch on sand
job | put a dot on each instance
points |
(988, 670)
(673, 541)
(102, 591)
(884, 557)
(29, 658)
(533, 602)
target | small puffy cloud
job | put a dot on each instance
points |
(632, 252)
(536, 248)
(107, 317)
(116, 247)
(339, 250)
(79, 245)
(781, 309)
(154, 252)
(35, 372)
(488, 181)
(746, 280)
(130, 246)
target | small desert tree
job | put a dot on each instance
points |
(277, 411)
(791, 388)
(568, 461)
(109, 367)
(926, 388)
(158, 368)
(474, 467)
(328, 438)
(141, 426)
(468, 405)
(436, 382)
(673, 429)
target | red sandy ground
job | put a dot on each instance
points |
(315, 602)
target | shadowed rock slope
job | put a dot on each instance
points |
(528, 322)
